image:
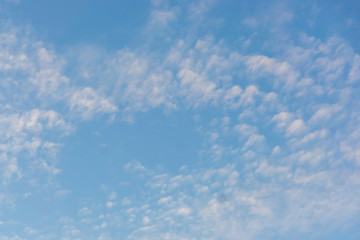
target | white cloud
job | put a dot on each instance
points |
(24, 133)
(325, 113)
(126, 201)
(251, 22)
(245, 129)
(199, 8)
(283, 119)
(161, 17)
(48, 77)
(255, 204)
(354, 73)
(294, 189)
(39, 68)
(146, 220)
(84, 211)
(276, 150)
(233, 93)
(164, 200)
(296, 127)
(140, 82)
(282, 70)
(196, 89)
(273, 171)
(18, 129)
(62, 192)
(248, 96)
(312, 157)
(87, 103)
(255, 140)
(335, 55)
(109, 204)
(43, 165)
(134, 166)
(9, 168)
(184, 211)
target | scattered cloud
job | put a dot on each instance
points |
(281, 125)
(87, 103)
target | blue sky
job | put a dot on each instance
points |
(174, 120)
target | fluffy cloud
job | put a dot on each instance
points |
(285, 136)
(88, 103)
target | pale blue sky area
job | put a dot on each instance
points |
(207, 119)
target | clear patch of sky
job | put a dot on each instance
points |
(65, 23)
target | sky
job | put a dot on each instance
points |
(191, 120)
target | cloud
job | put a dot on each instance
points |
(196, 89)
(251, 22)
(43, 165)
(146, 220)
(84, 211)
(198, 9)
(161, 17)
(9, 169)
(268, 184)
(17, 129)
(134, 166)
(210, 207)
(29, 67)
(137, 86)
(87, 103)
(62, 192)
(283, 119)
(184, 211)
(325, 113)
(164, 200)
(24, 133)
(313, 136)
(283, 70)
(354, 73)
(296, 127)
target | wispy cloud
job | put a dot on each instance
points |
(278, 128)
